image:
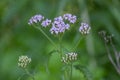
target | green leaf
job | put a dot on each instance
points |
(85, 71)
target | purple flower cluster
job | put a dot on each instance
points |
(71, 18)
(84, 28)
(59, 26)
(35, 19)
(46, 23)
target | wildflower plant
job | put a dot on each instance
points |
(69, 59)
(58, 26)
(23, 62)
(108, 39)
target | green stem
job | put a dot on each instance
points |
(77, 43)
(71, 71)
(60, 45)
(66, 75)
(28, 73)
(21, 77)
(45, 35)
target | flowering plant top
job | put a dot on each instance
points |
(59, 24)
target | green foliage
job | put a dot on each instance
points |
(85, 71)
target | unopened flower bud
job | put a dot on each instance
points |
(69, 57)
(23, 61)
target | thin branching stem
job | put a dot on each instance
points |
(45, 35)
(21, 76)
(109, 56)
(116, 53)
(60, 44)
(66, 75)
(28, 73)
(77, 43)
(71, 71)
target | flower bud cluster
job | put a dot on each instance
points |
(71, 18)
(23, 61)
(37, 19)
(69, 57)
(59, 26)
(107, 38)
(84, 28)
(46, 23)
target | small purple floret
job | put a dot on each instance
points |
(35, 19)
(46, 23)
(71, 18)
(58, 26)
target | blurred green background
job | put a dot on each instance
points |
(18, 38)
